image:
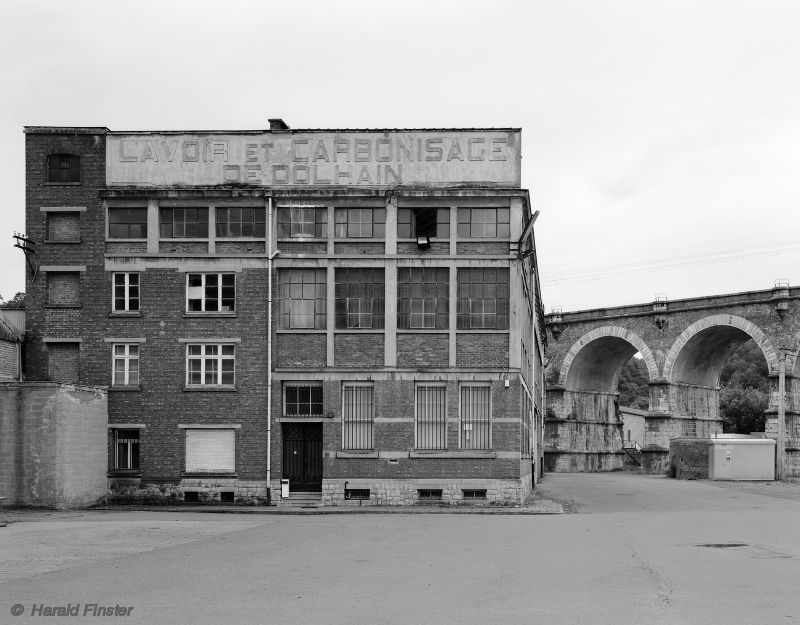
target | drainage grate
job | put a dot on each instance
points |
(722, 545)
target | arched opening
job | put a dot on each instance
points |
(598, 365)
(700, 393)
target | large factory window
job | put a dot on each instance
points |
(359, 298)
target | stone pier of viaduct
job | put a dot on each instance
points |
(684, 344)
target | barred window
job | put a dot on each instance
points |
(484, 223)
(302, 400)
(126, 292)
(422, 297)
(127, 223)
(304, 221)
(431, 417)
(210, 365)
(178, 223)
(63, 168)
(360, 223)
(125, 366)
(210, 292)
(483, 298)
(357, 416)
(475, 417)
(423, 222)
(126, 449)
(302, 299)
(359, 298)
(241, 222)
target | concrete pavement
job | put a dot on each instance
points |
(639, 549)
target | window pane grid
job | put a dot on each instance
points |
(484, 223)
(125, 292)
(177, 223)
(125, 365)
(359, 298)
(302, 400)
(210, 292)
(210, 365)
(357, 417)
(360, 223)
(241, 222)
(302, 222)
(431, 417)
(423, 298)
(483, 298)
(475, 417)
(302, 299)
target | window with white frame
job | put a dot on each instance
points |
(357, 416)
(483, 295)
(302, 399)
(210, 364)
(126, 292)
(126, 449)
(125, 364)
(431, 417)
(483, 223)
(210, 450)
(303, 221)
(475, 416)
(210, 292)
(302, 299)
(359, 223)
(359, 298)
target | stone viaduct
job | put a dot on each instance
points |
(684, 344)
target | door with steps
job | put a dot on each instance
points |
(302, 456)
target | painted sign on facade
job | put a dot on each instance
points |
(358, 158)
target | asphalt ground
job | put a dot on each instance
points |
(635, 549)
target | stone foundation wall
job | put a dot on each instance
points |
(406, 492)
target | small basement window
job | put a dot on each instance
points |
(191, 496)
(226, 496)
(430, 494)
(473, 493)
(361, 494)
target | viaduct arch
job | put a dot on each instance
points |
(684, 345)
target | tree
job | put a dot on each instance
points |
(744, 392)
(18, 301)
(633, 389)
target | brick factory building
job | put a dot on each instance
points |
(397, 357)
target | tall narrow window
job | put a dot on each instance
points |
(210, 292)
(431, 417)
(126, 292)
(302, 297)
(357, 416)
(126, 364)
(483, 298)
(241, 222)
(359, 298)
(422, 298)
(63, 168)
(126, 450)
(210, 365)
(475, 417)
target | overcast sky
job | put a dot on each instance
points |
(661, 139)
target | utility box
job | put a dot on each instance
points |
(724, 457)
(284, 488)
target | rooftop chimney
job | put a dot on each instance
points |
(277, 123)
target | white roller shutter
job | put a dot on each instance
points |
(210, 450)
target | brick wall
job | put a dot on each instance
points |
(482, 350)
(63, 364)
(422, 350)
(689, 458)
(300, 350)
(64, 226)
(8, 359)
(358, 350)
